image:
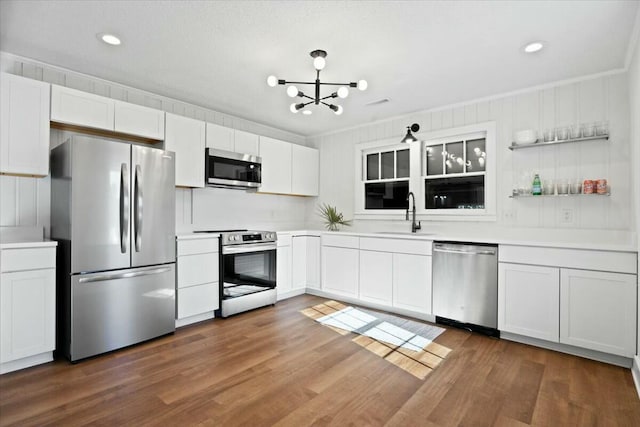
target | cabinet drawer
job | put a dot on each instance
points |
(197, 269)
(284, 239)
(198, 299)
(340, 241)
(199, 246)
(415, 247)
(27, 259)
(621, 262)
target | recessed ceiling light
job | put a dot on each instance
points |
(109, 39)
(533, 47)
(307, 112)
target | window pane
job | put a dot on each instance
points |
(434, 159)
(455, 161)
(465, 192)
(386, 195)
(476, 155)
(372, 166)
(402, 163)
(387, 165)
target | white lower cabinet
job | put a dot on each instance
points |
(529, 300)
(27, 307)
(412, 282)
(598, 311)
(376, 277)
(340, 268)
(283, 270)
(198, 278)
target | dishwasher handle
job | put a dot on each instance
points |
(463, 252)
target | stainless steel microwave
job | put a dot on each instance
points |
(232, 170)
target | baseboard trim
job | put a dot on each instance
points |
(635, 372)
(599, 356)
(26, 362)
(355, 301)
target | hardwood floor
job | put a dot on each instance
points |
(275, 366)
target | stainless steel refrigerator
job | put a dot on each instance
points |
(113, 215)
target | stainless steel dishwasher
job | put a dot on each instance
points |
(465, 285)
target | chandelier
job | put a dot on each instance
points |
(318, 63)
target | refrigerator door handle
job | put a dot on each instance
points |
(103, 277)
(124, 207)
(138, 208)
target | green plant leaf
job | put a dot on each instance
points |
(332, 218)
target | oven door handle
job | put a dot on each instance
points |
(247, 248)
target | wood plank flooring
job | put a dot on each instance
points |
(275, 366)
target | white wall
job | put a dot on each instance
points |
(634, 95)
(584, 101)
(26, 201)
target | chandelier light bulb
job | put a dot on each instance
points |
(343, 92)
(319, 62)
(339, 110)
(272, 81)
(307, 112)
(292, 91)
(362, 84)
(293, 108)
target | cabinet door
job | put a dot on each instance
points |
(185, 137)
(283, 269)
(198, 299)
(27, 313)
(219, 137)
(598, 311)
(304, 170)
(529, 300)
(376, 277)
(276, 166)
(412, 282)
(81, 108)
(24, 126)
(246, 143)
(340, 271)
(313, 262)
(299, 262)
(138, 120)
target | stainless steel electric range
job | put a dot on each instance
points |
(247, 270)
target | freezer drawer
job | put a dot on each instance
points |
(115, 309)
(465, 283)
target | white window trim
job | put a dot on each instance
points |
(416, 179)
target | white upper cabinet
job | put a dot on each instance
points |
(24, 126)
(219, 137)
(224, 138)
(304, 170)
(79, 108)
(276, 166)
(138, 120)
(186, 137)
(246, 143)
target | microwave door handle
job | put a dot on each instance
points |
(137, 207)
(124, 208)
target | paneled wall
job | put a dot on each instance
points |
(591, 100)
(26, 201)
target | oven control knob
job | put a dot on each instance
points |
(233, 237)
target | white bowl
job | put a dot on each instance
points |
(528, 136)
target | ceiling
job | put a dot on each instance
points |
(418, 54)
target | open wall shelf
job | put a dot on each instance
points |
(530, 196)
(539, 143)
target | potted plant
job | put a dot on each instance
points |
(332, 218)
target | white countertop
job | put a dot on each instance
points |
(195, 236)
(27, 243)
(501, 240)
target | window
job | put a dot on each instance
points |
(386, 178)
(454, 172)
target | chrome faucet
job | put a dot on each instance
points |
(414, 227)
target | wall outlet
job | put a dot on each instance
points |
(566, 216)
(508, 215)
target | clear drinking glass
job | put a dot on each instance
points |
(562, 185)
